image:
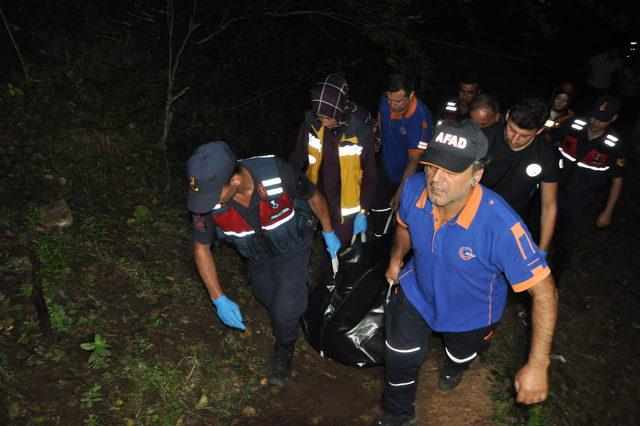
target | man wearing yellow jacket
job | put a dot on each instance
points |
(335, 148)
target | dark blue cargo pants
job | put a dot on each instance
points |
(280, 284)
(407, 346)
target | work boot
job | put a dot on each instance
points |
(390, 420)
(281, 364)
(451, 375)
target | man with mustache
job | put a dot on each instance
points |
(469, 247)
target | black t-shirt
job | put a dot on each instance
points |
(515, 175)
(294, 183)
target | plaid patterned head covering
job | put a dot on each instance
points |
(329, 97)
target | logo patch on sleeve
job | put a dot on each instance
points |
(199, 223)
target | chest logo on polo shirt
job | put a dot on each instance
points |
(533, 169)
(403, 131)
(466, 253)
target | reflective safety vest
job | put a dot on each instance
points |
(598, 158)
(554, 123)
(284, 221)
(349, 153)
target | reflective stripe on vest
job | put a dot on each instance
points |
(344, 151)
(586, 166)
(563, 152)
(569, 149)
(272, 182)
(348, 211)
(237, 234)
(275, 232)
(349, 153)
(314, 151)
(281, 221)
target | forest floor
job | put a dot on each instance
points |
(124, 271)
(133, 338)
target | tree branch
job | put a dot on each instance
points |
(273, 89)
(331, 15)
(15, 45)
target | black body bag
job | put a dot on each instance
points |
(345, 317)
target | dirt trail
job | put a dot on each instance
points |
(323, 392)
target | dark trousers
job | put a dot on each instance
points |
(381, 211)
(407, 347)
(280, 284)
(573, 217)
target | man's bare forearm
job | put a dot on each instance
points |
(544, 310)
(319, 207)
(614, 194)
(548, 213)
(401, 244)
(207, 270)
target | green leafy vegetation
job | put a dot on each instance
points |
(92, 396)
(100, 352)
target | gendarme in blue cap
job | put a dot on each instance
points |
(208, 170)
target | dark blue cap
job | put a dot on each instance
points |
(605, 108)
(208, 169)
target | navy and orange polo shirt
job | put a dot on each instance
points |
(457, 277)
(402, 133)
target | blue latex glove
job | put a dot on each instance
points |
(544, 253)
(228, 312)
(333, 243)
(359, 224)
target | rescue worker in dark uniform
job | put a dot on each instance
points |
(458, 108)
(592, 177)
(261, 206)
(335, 149)
(525, 165)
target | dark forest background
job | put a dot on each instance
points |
(243, 69)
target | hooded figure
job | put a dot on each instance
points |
(335, 149)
